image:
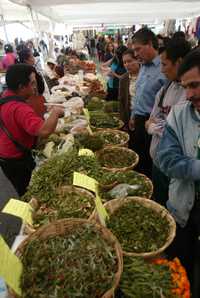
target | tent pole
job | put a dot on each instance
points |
(4, 28)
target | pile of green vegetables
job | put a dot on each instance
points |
(79, 264)
(92, 142)
(145, 280)
(112, 137)
(111, 107)
(58, 171)
(103, 120)
(139, 229)
(67, 203)
(110, 158)
(95, 104)
(139, 184)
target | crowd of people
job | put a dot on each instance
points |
(157, 83)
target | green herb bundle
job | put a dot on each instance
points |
(139, 229)
(79, 264)
(112, 159)
(112, 137)
(145, 280)
(143, 186)
(111, 107)
(67, 203)
(58, 171)
(103, 120)
(92, 142)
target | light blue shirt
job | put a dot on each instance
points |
(149, 82)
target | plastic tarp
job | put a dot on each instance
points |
(120, 12)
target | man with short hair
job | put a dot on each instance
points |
(149, 81)
(168, 96)
(20, 126)
(179, 158)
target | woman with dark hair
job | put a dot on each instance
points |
(37, 100)
(109, 51)
(117, 69)
(127, 86)
(9, 57)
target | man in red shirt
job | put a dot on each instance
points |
(20, 126)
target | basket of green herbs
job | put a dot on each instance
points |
(117, 159)
(141, 279)
(128, 184)
(93, 142)
(111, 106)
(58, 171)
(69, 201)
(112, 137)
(70, 258)
(95, 104)
(143, 227)
(99, 120)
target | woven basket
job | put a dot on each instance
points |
(62, 190)
(113, 205)
(120, 125)
(122, 134)
(64, 226)
(116, 151)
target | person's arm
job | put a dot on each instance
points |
(107, 63)
(172, 160)
(50, 124)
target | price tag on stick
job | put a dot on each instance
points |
(86, 152)
(10, 267)
(20, 209)
(85, 181)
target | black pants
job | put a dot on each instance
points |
(140, 142)
(18, 171)
(160, 186)
(186, 246)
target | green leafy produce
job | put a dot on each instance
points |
(110, 158)
(111, 107)
(146, 280)
(112, 137)
(103, 120)
(58, 171)
(79, 264)
(68, 202)
(139, 229)
(139, 184)
(92, 142)
(95, 105)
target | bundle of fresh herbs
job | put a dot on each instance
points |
(78, 264)
(139, 229)
(111, 107)
(69, 202)
(58, 171)
(103, 120)
(146, 280)
(137, 185)
(113, 137)
(117, 157)
(92, 142)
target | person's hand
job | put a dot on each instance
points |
(59, 111)
(149, 122)
(131, 124)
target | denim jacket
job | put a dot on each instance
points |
(177, 154)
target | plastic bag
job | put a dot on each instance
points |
(123, 190)
(66, 146)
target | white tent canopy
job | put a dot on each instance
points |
(113, 11)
